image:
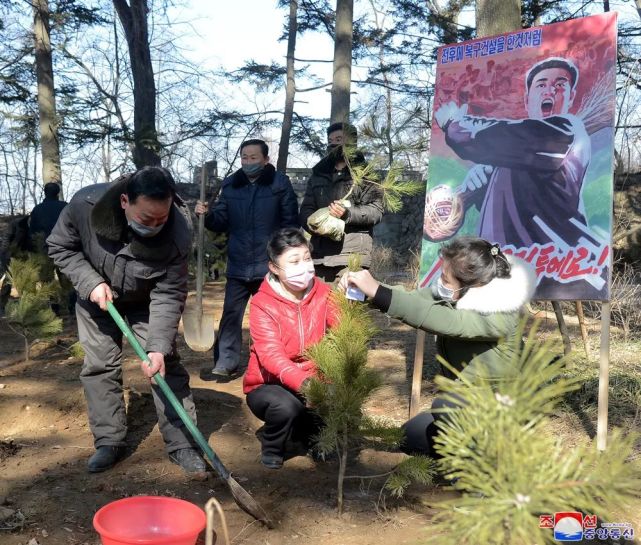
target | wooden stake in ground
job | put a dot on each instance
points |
(584, 331)
(563, 328)
(604, 378)
(417, 374)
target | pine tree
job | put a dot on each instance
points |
(502, 452)
(343, 385)
(30, 315)
(344, 382)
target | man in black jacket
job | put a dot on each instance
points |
(128, 242)
(329, 183)
(45, 215)
(253, 202)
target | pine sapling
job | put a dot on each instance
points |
(501, 449)
(30, 315)
(392, 186)
(344, 382)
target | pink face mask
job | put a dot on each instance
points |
(299, 276)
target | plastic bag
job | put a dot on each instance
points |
(323, 223)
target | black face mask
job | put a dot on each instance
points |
(335, 151)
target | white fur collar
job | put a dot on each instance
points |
(502, 294)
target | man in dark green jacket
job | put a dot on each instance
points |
(128, 242)
(329, 183)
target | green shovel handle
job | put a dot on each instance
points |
(173, 400)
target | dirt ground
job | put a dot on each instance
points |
(45, 442)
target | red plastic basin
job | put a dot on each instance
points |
(149, 520)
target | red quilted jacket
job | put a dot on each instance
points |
(281, 330)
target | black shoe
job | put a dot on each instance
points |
(272, 461)
(190, 461)
(105, 458)
(217, 375)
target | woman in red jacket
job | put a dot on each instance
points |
(290, 312)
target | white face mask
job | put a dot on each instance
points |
(442, 291)
(299, 276)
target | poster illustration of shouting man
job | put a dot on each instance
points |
(522, 152)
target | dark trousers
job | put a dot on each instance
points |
(230, 330)
(286, 418)
(101, 377)
(419, 432)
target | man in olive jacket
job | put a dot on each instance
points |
(128, 242)
(329, 183)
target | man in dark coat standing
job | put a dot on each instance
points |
(128, 242)
(45, 215)
(329, 183)
(253, 202)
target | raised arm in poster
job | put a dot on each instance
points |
(522, 152)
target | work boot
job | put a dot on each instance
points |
(272, 461)
(191, 462)
(105, 458)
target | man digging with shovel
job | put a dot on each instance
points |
(128, 242)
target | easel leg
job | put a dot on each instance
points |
(584, 331)
(604, 378)
(563, 328)
(417, 374)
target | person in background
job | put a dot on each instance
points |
(41, 222)
(329, 183)
(474, 309)
(290, 312)
(254, 201)
(128, 243)
(45, 215)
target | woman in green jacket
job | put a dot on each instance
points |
(474, 309)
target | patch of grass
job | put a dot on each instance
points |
(624, 385)
(76, 350)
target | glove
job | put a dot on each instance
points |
(449, 112)
(476, 178)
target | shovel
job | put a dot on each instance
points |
(240, 495)
(198, 328)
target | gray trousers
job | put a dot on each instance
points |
(101, 377)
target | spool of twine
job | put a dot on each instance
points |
(443, 213)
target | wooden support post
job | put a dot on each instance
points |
(604, 378)
(584, 331)
(563, 328)
(417, 374)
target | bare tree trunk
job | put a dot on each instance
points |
(342, 61)
(446, 18)
(25, 180)
(497, 16)
(638, 3)
(133, 17)
(386, 131)
(6, 179)
(290, 91)
(46, 95)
